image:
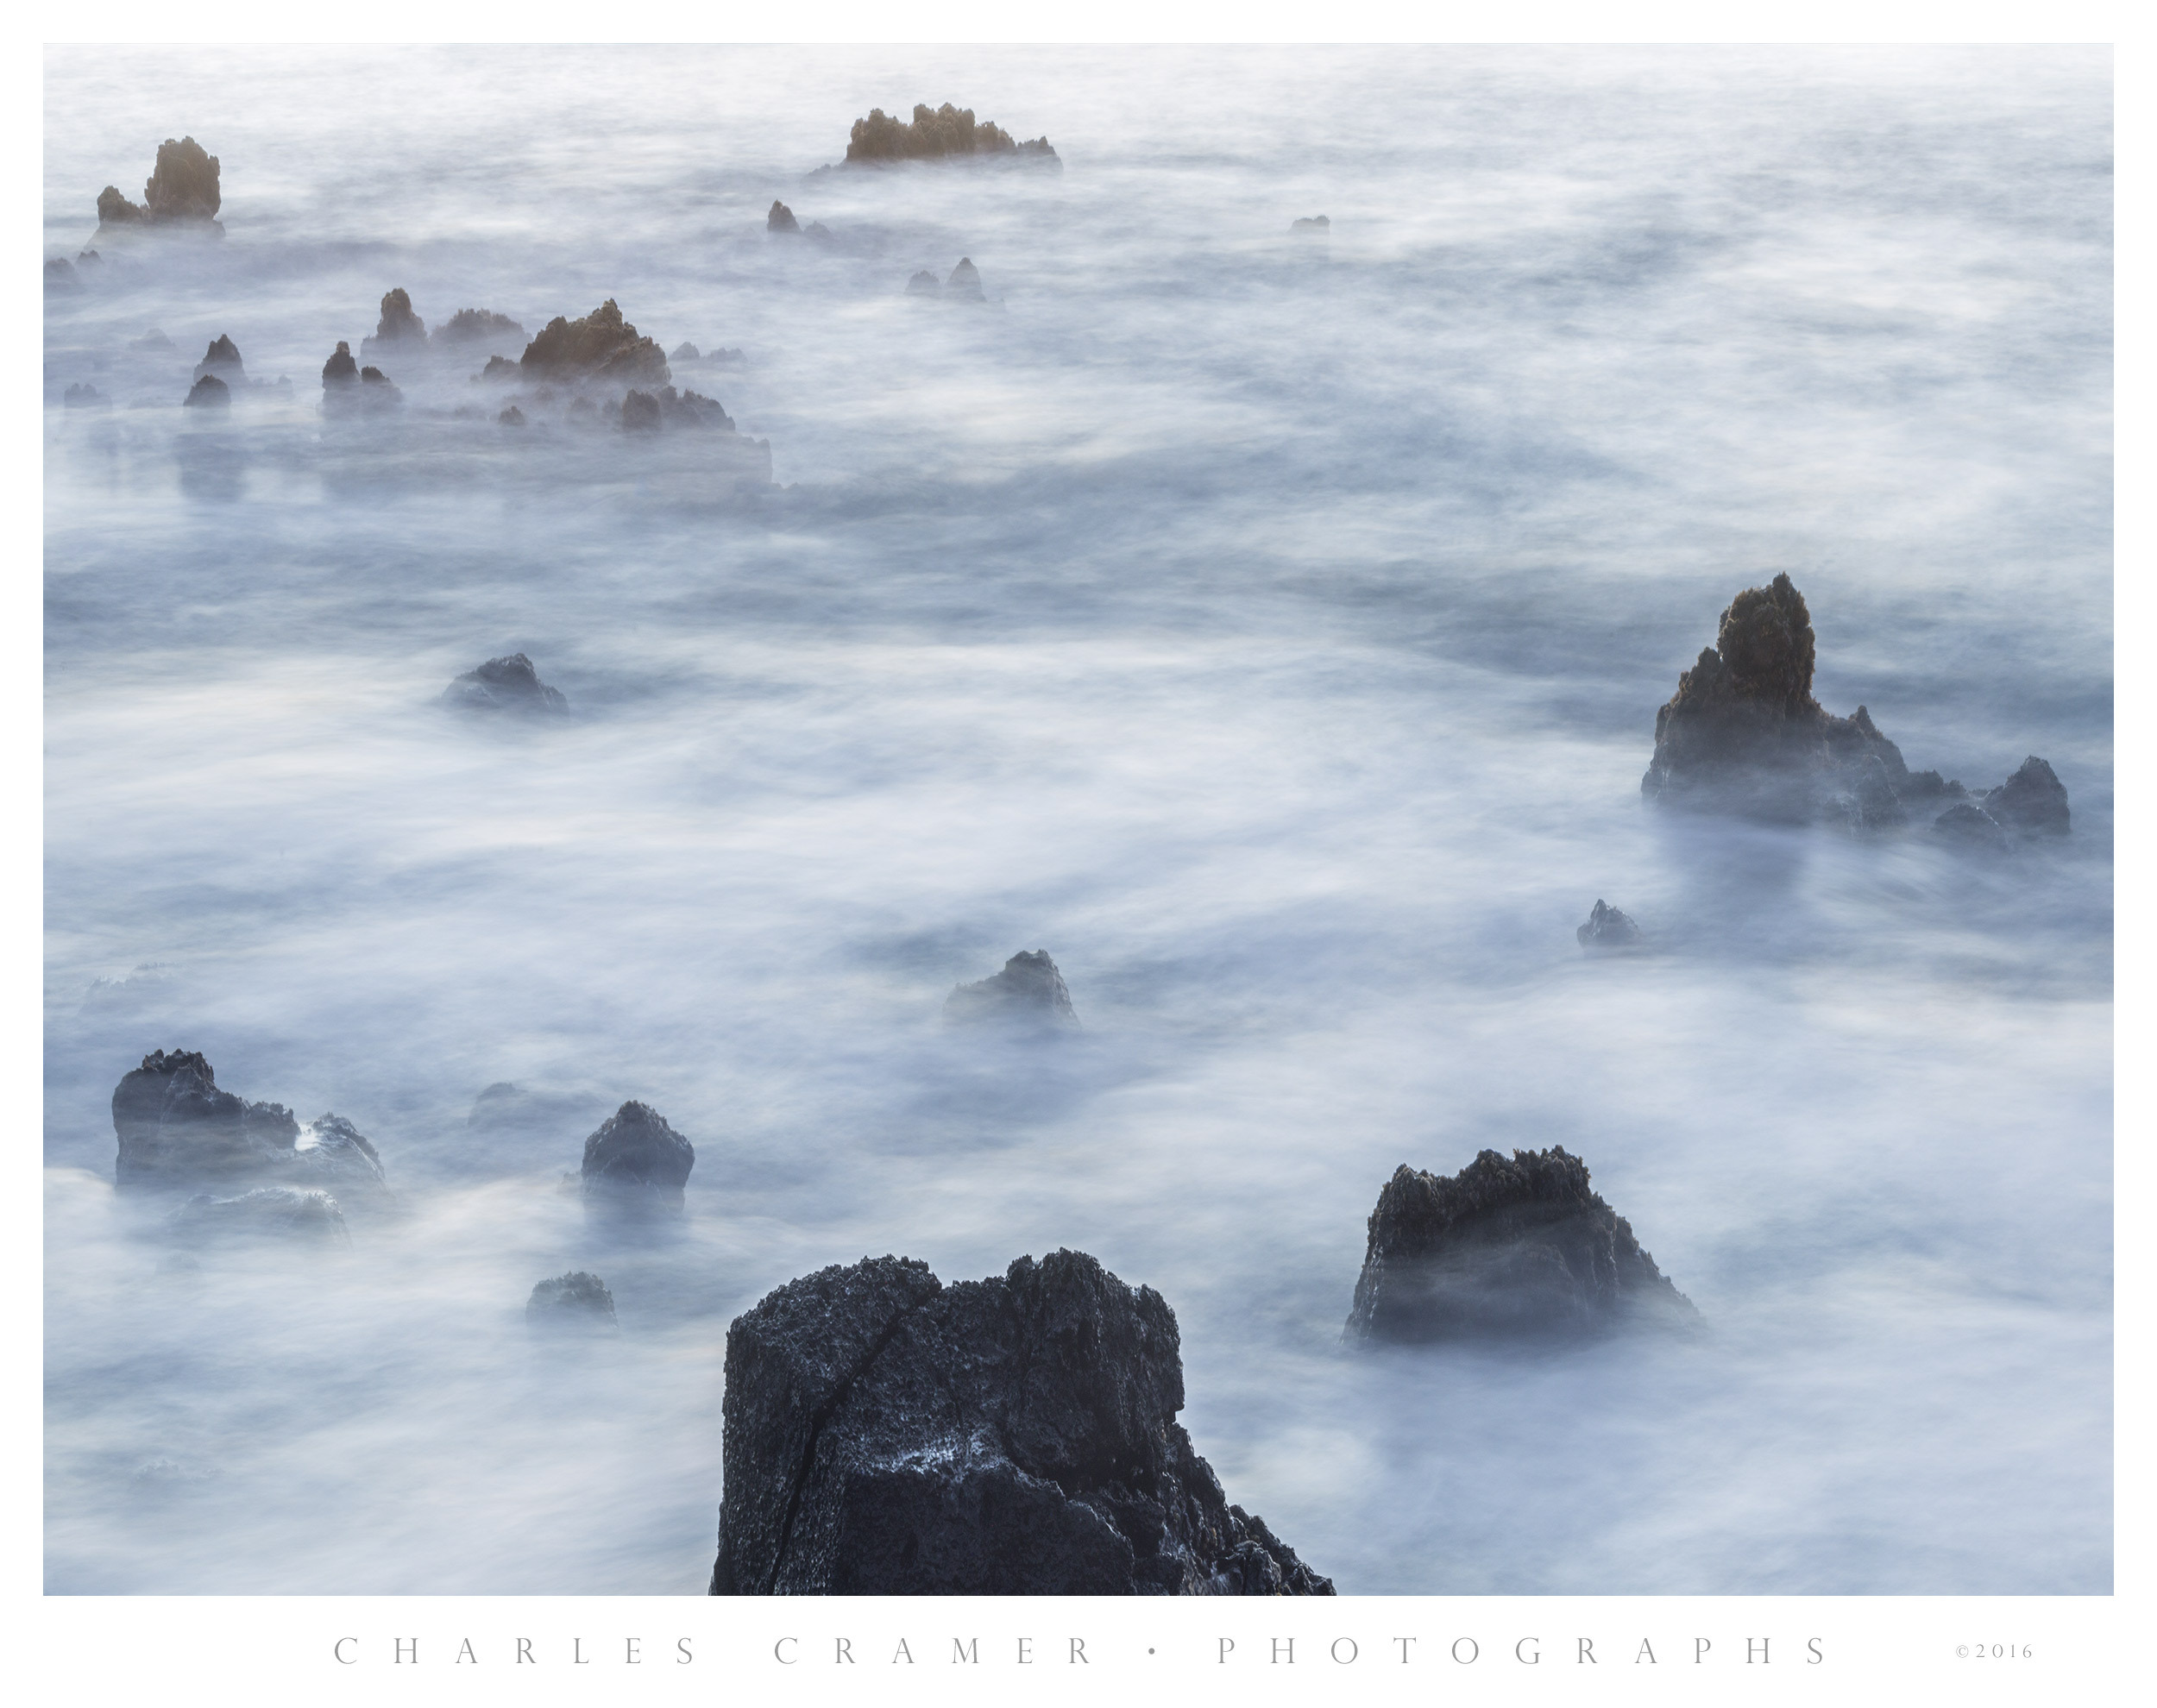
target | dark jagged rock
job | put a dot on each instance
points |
(2033, 802)
(511, 417)
(267, 1213)
(1970, 826)
(337, 1156)
(223, 359)
(635, 1160)
(398, 326)
(478, 326)
(965, 282)
(1028, 991)
(577, 1303)
(85, 397)
(923, 283)
(1318, 227)
(1607, 928)
(500, 367)
(602, 346)
(1505, 1248)
(946, 132)
(640, 413)
(780, 219)
(151, 340)
(177, 1129)
(885, 1434)
(209, 392)
(340, 370)
(182, 191)
(1743, 734)
(506, 684)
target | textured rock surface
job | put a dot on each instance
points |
(636, 1160)
(1743, 734)
(1507, 1248)
(575, 1303)
(398, 330)
(223, 359)
(1607, 928)
(177, 1129)
(884, 1435)
(182, 191)
(602, 346)
(268, 1213)
(2033, 802)
(508, 684)
(937, 134)
(1029, 990)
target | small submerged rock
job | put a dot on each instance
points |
(1607, 928)
(636, 1161)
(885, 1434)
(264, 1214)
(924, 284)
(506, 684)
(1519, 1248)
(340, 371)
(1028, 991)
(1316, 226)
(780, 220)
(478, 326)
(577, 1303)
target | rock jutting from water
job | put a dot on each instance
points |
(398, 329)
(924, 284)
(182, 193)
(506, 684)
(1318, 226)
(478, 326)
(780, 220)
(602, 346)
(964, 283)
(1607, 928)
(636, 1161)
(1518, 1248)
(222, 359)
(1743, 734)
(946, 133)
(266, 1214)
(1029, 991)
(885, 1434)
(577, 1303)
(208, 392)
(340, 370)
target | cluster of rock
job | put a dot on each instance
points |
(601, 347)
(885, 1434)
(963, 285)
(1743, 734)
(250, 1168)
(1029, 993)
(507, 684)
(182, 192)
(348, 386)
(781, 222)
(1518, 1248)
(943, 134)
(478, 326)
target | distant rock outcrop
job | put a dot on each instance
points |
(1518, 1248)
(85, 397)
(223, 359)
(577, 1303)
(965, 282)
(780, 219)
(60, 275)
(209, 392)
(1028, 991)
(506, 684)
(340, 371)
(684, 352)
(635, 1160)
(478, 326)
(1743, 734)
(2033, 802)
(924, 284)
(182, 191)
(267, 1213)
(602, 346)
(1607, 928)
(885, 1434)
(1319, 226)
(399, 328)
(946, 132)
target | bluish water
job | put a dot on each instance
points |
(1270, 629)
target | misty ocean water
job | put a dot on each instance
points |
(1269, 628)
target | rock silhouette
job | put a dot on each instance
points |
(340, 371)
(223, 359)
(636, 1160)
(575, 1303)
(177, 1129)
(1506, 1248)
(478, 326)
(1607, 928)
(267, 1213)
(780, 219)
(1028, 991)
(2033, 802)
(602, 346)
(885, 1434)
(398, 327)
(684, 352)
(1319, 226)
(85, 397)
(182, 191)
(506, 684)
(209, 392)
(946, 132)
(60, 275)
(965, 282)
(1743, 734)
(924, 284)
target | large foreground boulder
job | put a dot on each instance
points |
(636, 1161)
(1743, 734)
(885, 1434)
(1029, 991)
(177, 1129)
(1518, 1248)
(506, 684)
